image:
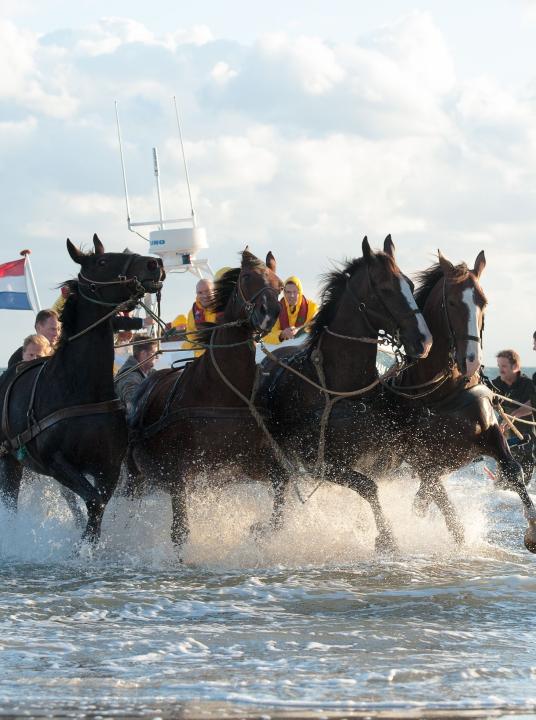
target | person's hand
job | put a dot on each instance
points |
(288, 333)
(148, 322)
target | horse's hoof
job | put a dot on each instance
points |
(385, 544)
(530, 538)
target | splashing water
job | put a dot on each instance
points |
(312, 619)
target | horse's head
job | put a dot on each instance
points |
(114, 278)
(250, 293)
(463, 304)
(384, 296)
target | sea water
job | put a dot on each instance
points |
(311, 621)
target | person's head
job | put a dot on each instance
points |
(534, 340)
(35, 346)
(292, 290)
(48, 324)
(144, 351)
(203, 292)
(509, 364)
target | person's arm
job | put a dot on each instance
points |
(529, 398)
(273, 337)
(191, 328)
(124, 322)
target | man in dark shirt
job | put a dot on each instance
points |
(46, 323)
(512, 383)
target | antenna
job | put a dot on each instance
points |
(177, 246)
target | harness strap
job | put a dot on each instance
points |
(17, 442)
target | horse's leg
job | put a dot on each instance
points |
(74, 507)
(432, 490)
(260, 530)
(10, 479)
(135, 484)
(495, 445)
(367, 488)
(69, 476)
(179, 523)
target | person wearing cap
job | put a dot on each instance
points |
(296, 312)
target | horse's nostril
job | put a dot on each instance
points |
(471, 357)
(152, 265)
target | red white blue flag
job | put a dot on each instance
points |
(13, 287)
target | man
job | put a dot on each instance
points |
(135, 370)
(513, 384)
(296, 311)
(47, 324)
(200, 313)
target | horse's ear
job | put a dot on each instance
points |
(248, 258)
(389, 246)
(74, 252)
(99, 247)
(480, 264)
(270, 261)
(446, 266)
(367, 252)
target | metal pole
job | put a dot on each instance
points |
(184, 159)
(157, 177)
(122, 164)
(27, 264)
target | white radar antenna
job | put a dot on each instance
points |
(177, 246)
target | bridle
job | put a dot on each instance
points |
(385, 337)
(132, 282)
(137, 291)
(453, 338)
(247, 305)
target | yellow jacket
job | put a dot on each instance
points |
(192, 327)
(294, 318)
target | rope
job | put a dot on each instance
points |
(510, 424)
(394, 370)
(279, 454)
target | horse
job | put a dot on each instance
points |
(60, 414)
(315, 396)
(437, 416)
(199, 419)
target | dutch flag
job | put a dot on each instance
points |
(13, 288)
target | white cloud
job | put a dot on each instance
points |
(293, 143)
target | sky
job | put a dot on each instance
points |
(307, 125)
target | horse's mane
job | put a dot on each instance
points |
(334, 285)
(68, 313)
(428, 279)
(223, 289)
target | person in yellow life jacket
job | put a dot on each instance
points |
(199, 314)
(296, 311)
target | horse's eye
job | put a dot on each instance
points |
(101, 262)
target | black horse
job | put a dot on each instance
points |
(60, 415)
(326, 430)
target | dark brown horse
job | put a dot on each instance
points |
(60, 415)
(438, 416)
(196, 421)
(369, 295)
